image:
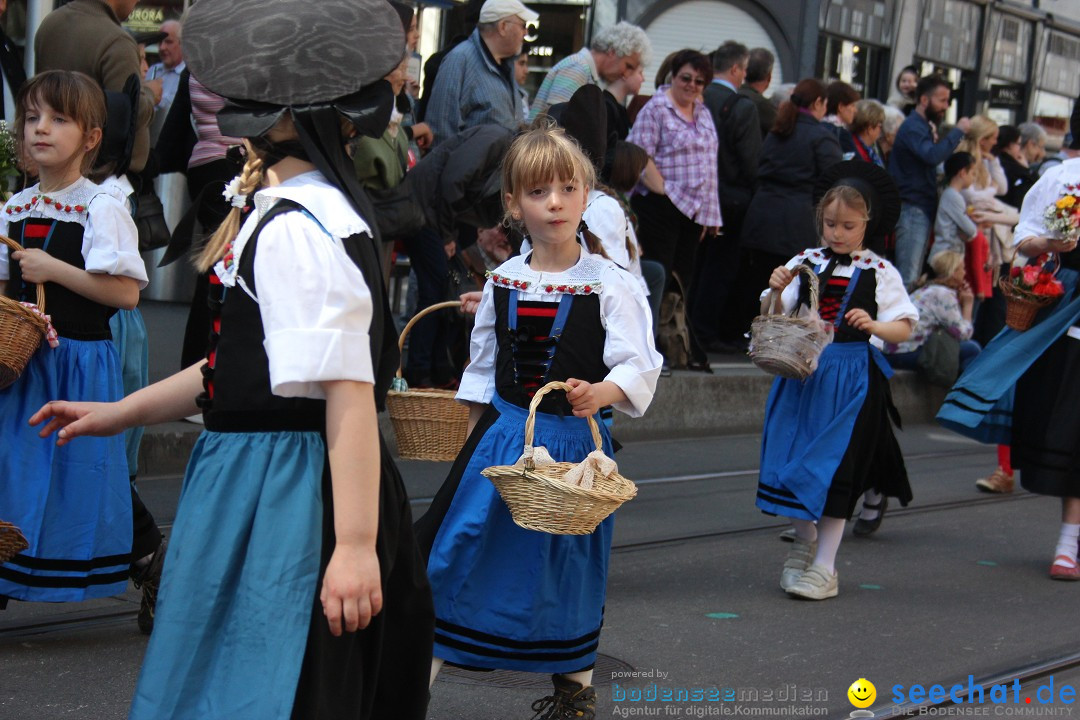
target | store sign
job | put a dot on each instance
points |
(1006, 96)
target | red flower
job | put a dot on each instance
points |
(588, 288)
(79, 208)
(549, 288)
(1014, 272)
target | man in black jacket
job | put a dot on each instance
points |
(739, 144)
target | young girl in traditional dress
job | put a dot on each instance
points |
(293, 584)
(829, 439)
(506, 597)
(73, 503)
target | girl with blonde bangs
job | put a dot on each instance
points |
(506, 597)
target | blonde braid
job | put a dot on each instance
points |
(250, 179)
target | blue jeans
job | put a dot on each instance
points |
(969, 350)
(912, 236)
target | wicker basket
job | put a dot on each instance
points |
(786, 345)
(12, 541)
(539, 499)
(428, 424)
(21, 330)
(1021, 306)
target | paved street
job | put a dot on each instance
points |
(954, 585)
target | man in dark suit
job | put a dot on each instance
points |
(739, 143)
(758, 77)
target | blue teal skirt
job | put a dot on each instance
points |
(234, 606)
(980, 404)
(73, 503)
(824, 436)
(507, 597)
(129, 336)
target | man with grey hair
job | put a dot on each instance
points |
(615, 51)
(758, 78)
(475, 84)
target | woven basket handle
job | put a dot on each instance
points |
(811, 278)
(530, 424)
(12, 245)
(416, 318)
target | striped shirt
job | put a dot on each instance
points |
(563, 80)
(211, 144)
(472, 90)
(684, 153)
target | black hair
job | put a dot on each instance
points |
(927, 85)
(955, 163)
(1007, 135)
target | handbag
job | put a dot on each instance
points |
(939, 359)
(149, 217)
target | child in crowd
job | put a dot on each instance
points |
(73, 503)
(293, 584)
(506, 597)
(955, 229)
(829, 439)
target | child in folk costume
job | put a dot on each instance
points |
(506, 597)
(829, 439)
(72, 503)
(293, 585)
(1022, 389)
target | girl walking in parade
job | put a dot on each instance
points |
(507, 597)
(73, 503)
(293, 584)
(1021, 391)
(829, 439)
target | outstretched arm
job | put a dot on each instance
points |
(169, 399)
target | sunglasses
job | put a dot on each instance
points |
(691, 80)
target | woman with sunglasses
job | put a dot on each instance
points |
(681, 208)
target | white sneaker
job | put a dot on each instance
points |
(798, 560)
(817, 583)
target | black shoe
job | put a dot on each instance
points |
(868, 527)
(148, 579)
(570, 701)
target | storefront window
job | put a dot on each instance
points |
(858, 64)
(1012, 42)
(1057, 86)
(866, 20)
(949, 33)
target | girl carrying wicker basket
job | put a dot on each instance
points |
(829, 439)
(73, 503)
(293, 585)
(507, 597)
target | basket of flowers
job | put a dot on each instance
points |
(12, 541)
(1028, 290)
(561, 498)
(789, 345)
(429, 424)
(22, 328)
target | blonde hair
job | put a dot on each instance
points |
(847, 196)
(945, 263)
(981, 127)
(251, 178)
(539, 156)
(69, 93)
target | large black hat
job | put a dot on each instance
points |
(878, 190)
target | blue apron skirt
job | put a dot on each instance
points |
(73, 503)
(813, 426)
(129, 335)
(234, 606)
(507, 597)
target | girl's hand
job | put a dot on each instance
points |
(36, 265)
(781, 277)
(470, 301)
(587, 398)
(74, 419)
(1060, 246)
(352, 588)
(861, 320)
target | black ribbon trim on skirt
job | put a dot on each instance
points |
(55, 581)
(978, 411)
(507, 642)
(780, 501)
(491, 652)
(64, 565)
(980, 398)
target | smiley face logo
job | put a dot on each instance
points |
(862, 693)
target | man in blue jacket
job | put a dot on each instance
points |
(913, 165)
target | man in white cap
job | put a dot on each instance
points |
(476, 85)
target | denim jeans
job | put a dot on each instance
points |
(969, 350)
(912, 236)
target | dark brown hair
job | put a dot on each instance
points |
(805, 94)
(627, 165)
(839, 93)
(697, 60)
(69, 93)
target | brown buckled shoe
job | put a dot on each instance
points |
(570, 701)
